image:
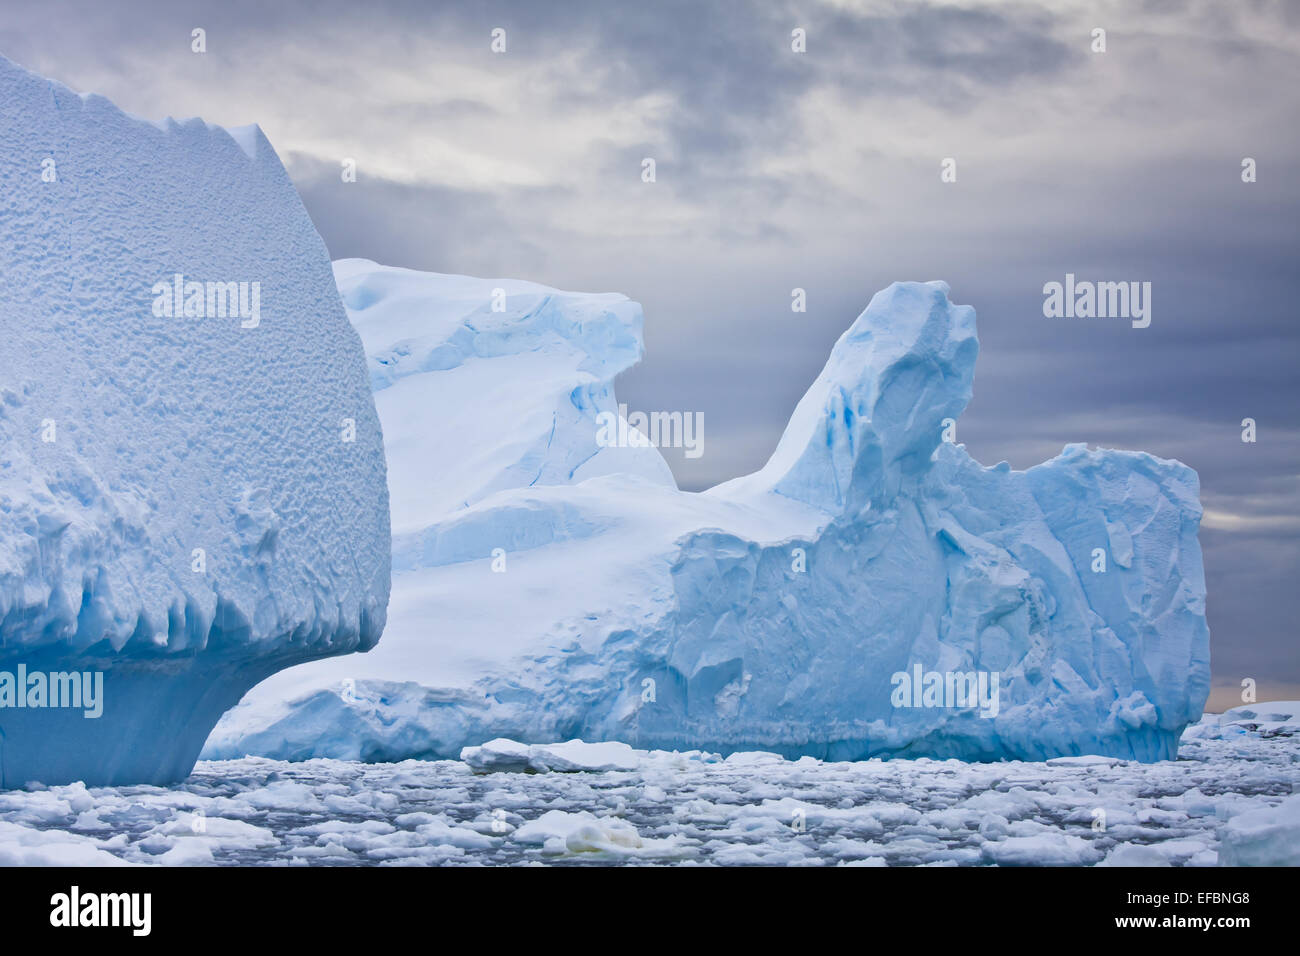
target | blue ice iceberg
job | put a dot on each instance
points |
(871, 591)
(192, 486)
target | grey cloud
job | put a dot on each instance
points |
(428, 227)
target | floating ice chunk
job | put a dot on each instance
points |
(1089, 760)
(25, 846)
(499, 755)
(1135, 854)
(1043, 849)
(1265, 837)
(570, 757)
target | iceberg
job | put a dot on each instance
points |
(193, 490)
(828, 605)
(1279, 718)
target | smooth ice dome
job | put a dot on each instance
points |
(833, 604)
(192, 488)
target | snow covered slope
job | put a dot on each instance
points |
(192, 489)
(783, 611)
(539, 364)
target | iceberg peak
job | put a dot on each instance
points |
(873, 417)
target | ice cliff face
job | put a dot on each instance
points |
(835, 603)
(192, 488)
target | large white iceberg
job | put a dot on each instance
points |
(192, 482)
(545, 589)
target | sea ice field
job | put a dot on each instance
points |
(1230, 797)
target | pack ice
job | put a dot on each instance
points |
(548, 588)
(192, 482)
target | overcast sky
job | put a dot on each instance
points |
(818, 170)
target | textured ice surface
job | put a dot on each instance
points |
(132, 439)
(770, 612)
(750, 808)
